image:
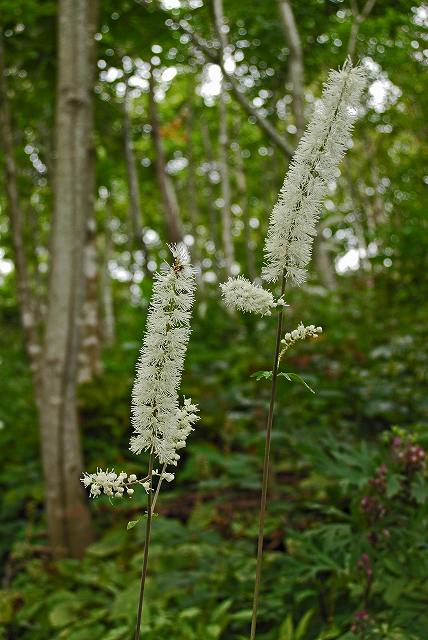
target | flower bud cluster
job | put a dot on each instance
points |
(409, 454)
(301, 333)
(111, 483)
(361, 622)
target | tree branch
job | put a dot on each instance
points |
(359, 18)
(262, 122)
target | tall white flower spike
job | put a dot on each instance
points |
(293, 220)
(160, 424)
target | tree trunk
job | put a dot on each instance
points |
(295, 65)
(68, 515)
(16, 220)
(109, 328)
(241, 184)
(207, 147)
(135, 213)
(226, 215)
(90, 364)
(169, 196)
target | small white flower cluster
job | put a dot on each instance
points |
(240, 293)
(160, 425)
(111, 483)
(301, 333)
(294, 217)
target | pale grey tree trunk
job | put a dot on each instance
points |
(169, 196)
(135, 212)
(90, 364)
(226, 197)
(208, 152)
(295, 63)
(26, 300)
(68, 516)
(109, 322)
(241, 184)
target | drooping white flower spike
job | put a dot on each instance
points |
(301, 333)
(293, 220)
(160, 425)
(240, 293)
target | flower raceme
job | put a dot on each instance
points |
(294, 217)
(240, 293)
(301, 333)
(160, 424)
(111, 483)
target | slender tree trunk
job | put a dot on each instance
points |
(241, 184)
(90, 364)
(192, 193)
(207, 146)
(109, 324)
(16, 219)
(68, 516)
(324, 264)
(295, 65)
(228, 249)
(169, 196)
(226, 197)
(135, 213)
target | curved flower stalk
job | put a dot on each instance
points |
(301, 333)
(160, 425)
(240, 293)
(289, 240)
(288, 245)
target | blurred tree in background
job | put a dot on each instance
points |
(139, 122)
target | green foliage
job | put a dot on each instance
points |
(346, 555)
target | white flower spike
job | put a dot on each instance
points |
(293, 220)
(240, 293)
(301, 333)
(160, 425)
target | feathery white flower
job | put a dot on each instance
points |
(240, 293)
(293, 220)
(157, 419)
(301, 333)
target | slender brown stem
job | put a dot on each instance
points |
(265, 480)
(146, 549)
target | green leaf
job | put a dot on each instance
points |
(294, 376)
(260, 375)
(63, 614)
(132, 523)
(302, 627)
(286, 630)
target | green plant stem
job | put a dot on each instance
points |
(146, 550)
(158, 488)
(265, 480)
